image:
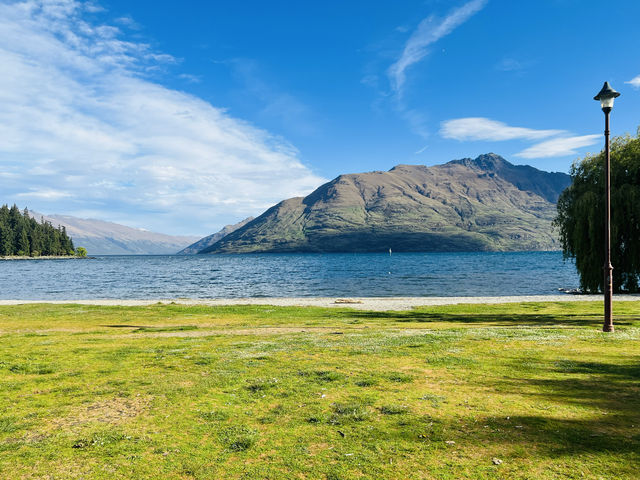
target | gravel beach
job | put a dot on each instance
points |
(360, 303)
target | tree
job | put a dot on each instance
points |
(6, 234)
(81, 252)
(67, 243)
(6, 239)
(21, 234)
(15, 218)
(581, 217)
(23, 243)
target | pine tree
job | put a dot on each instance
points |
(6, 239)
(6, 234)
(23, 242)
(23, 235)
(14, 223)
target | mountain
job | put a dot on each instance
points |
(481, 204)
(213, 238)
(106, 238)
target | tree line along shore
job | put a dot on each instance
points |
(22, 236)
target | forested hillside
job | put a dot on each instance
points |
(24, 236)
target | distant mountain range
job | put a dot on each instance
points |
(106, 238)
(205, 242)
(481, 204)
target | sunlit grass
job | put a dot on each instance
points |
(177, 392)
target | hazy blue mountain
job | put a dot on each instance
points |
(481, 204)
(107, 238)
(213, 238)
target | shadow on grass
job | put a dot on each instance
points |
(564, 436)
(603, 414)
(624, 372)
(612, 388)
(500, 320)
(609, 389)
(123, 326)
(146, 328)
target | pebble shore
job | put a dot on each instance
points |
(360, 303)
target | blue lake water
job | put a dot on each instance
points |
(288, 275)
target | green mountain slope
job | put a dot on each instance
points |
(205, 242)
(480, 204)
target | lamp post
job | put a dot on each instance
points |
(606, 97)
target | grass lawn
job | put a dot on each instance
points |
(518, 391)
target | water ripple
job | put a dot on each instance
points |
(289, 275)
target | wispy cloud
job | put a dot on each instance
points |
(189, 78)
(416, 48)
(422, 150)
(47, 194)
(78, 104)
(559, 147)
(510, 64)
(417, 121)
(429, 31)
(480, 128)
(635, 82)
(485, 129)
(284, 107)
(128, 22)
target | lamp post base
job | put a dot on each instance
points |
(608, 298)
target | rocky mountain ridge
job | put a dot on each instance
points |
(480, 204)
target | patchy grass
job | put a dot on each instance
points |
(394, 409)
(234, 392)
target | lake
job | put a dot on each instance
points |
(288, 275)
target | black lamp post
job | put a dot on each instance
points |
(606, 97)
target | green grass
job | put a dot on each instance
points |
(252, 392)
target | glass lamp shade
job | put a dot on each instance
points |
(606, 96)
(607, 102)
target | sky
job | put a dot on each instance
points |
(181, 117)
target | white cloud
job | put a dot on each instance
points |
(634, 82)
(418, 152)
(509, 64)
(480, 128)
(559, 147)
(76, 101)
(47, 194)
(429, 31)
(190, 78)
(485, 129)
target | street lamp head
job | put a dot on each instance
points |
(606, 96)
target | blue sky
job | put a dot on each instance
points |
(181, 117)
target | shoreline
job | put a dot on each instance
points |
(42, 257)
(359, 303)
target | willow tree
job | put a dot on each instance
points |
(581, 217)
